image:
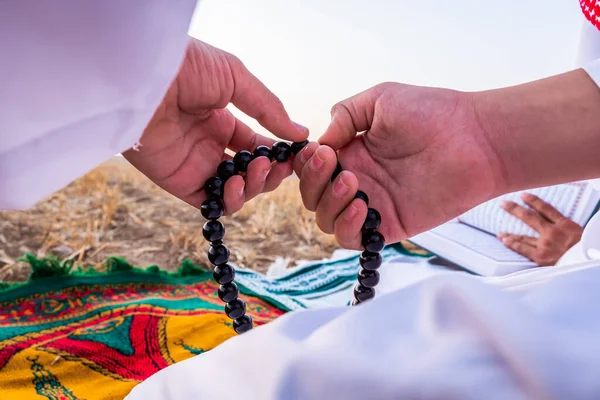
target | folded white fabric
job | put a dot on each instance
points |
(451, 336)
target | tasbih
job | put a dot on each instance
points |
(218, 254)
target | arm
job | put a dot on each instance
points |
(427, 155)
(545, 132)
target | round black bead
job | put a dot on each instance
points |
(363, 196)
(224, 274)
(372, 221)
(214, 188)
(338, 169)
(213, 231)
(218, 255)
(370, 261)
(368, 278)
(373, 241)
(212, 209)
(235, 309)
(226, 170)
(242, 324)
(296, 147)
(242, 159)
(262, 151)
(281, 151)
(228, 292)
(362, 293)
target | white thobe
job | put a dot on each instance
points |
(80, 81)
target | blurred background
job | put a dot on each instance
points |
(311, 54)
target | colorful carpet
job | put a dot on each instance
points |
(83, 335)
(73, 334)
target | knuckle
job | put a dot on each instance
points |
(384, 86)
(342, 106)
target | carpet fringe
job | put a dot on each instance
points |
(51, 266)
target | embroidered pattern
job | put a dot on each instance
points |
(95, 337)
(591, 10)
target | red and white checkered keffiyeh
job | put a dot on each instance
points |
(591, 10)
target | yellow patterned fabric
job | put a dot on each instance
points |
(82, 336)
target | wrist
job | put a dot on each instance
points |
(492, 128)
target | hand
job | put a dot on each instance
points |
(557, 233)
(186, 139)
(422, 160)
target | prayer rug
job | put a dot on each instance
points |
(73, 334)
(316, 284)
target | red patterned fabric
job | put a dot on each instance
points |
(591, 10)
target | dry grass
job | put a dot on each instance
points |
(115, 210)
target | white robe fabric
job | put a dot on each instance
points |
(80, 81)
(530, 335)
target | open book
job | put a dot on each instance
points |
(470, 240)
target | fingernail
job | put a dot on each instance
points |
(265, 174)
(318, 160)
(241, 193)
(507, 241)
(303, 154)
(340, 188)
(351, 212)
(505, 204)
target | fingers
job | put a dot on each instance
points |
(316, 176)
(244, 138)
(261, 176)
(336, 198)
(523, 248)
(253, 98)
(303, 156)
(530, 217)
(545, 209)
(256, 176)
(350, 117)
(279, 171)
(521, 238)
(348, 224)
(234, 196)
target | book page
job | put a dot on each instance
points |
(478, 241)
(491, 218)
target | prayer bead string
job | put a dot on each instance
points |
(218, 254)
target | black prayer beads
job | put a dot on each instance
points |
(218, 254)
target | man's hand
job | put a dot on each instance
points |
(557, 233)
(186, 139)
(427, 155)
(422, 160)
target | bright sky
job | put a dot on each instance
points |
(313, 53)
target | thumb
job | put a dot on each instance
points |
(351, 116)
(253, 98)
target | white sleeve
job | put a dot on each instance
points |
(80, 81)
(589, 51)
(593, 70)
